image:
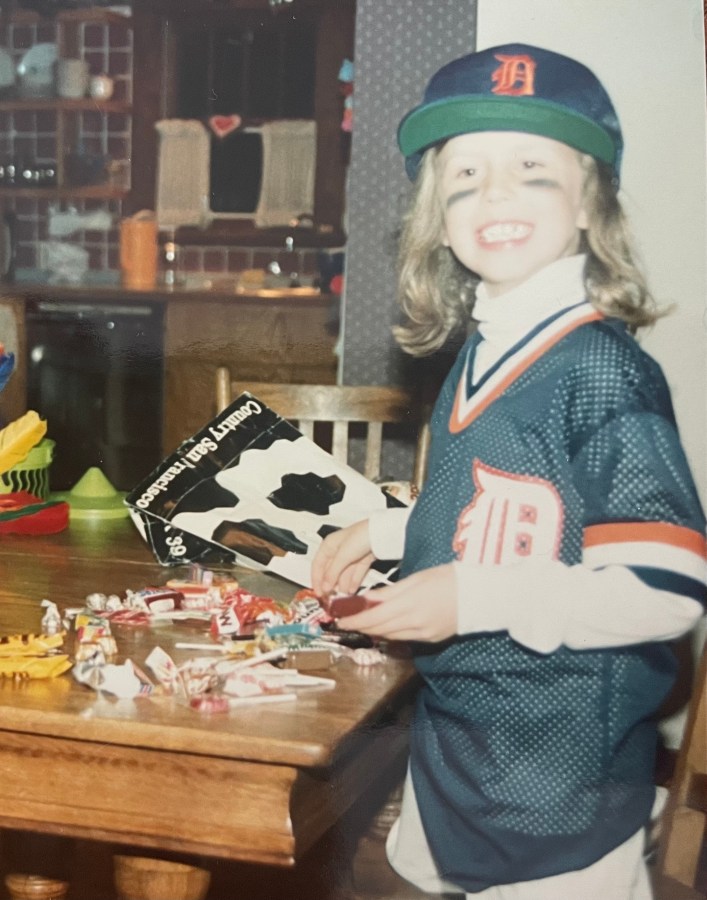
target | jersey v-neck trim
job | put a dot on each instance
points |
(470, 402)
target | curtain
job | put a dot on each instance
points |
(182, 173)
(289, 156)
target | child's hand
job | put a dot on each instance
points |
(422, 607)
(342, 560)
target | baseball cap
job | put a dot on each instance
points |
(514, 87)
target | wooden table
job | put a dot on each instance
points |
(256, 784)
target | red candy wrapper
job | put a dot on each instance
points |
(242, 611)
(225, 622)
(347, 605)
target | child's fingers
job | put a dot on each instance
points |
(374, 620)
(343, 557)
(402, 611)
(329, 562)
(321, 568)
(352, 577)
(392, 628)
(339, 573)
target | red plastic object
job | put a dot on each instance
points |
(23, 513)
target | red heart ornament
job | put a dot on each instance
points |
(223, 125)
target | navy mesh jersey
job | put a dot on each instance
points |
(526, 765)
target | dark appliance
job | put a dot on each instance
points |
(8, 240)
(95, 374)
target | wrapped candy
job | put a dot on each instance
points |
(51, 621)
(32, 656)
(241, 609)
(125, 681)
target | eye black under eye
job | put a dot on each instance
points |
(541, 183)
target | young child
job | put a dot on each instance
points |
(558, 543)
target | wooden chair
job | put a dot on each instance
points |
(682, 859)
(306, 405)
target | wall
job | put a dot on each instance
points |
(650, 55)
(399, 44)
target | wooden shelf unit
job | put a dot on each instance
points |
(94, 15)
(68, 192)
(83, 104)
(67, 23)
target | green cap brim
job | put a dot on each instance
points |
(431, 123)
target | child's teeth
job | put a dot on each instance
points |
(507, 231)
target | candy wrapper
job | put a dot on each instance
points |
(93, 634)
(34, 666)
(32, 656)
(126, 681)
(165, 670)
(240, 608)
(30, 644)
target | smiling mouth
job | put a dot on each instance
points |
(504, 232)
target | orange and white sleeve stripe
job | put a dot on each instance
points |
(669, 556)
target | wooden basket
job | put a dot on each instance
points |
(35, 887)
(143, 878)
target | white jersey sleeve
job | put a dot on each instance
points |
(386, 530)
(545, 604)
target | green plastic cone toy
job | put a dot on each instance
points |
(94, 496)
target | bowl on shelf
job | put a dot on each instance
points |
(35, 85)
(36, 76)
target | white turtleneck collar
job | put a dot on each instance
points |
(506, 319)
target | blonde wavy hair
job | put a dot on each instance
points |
(436, 293)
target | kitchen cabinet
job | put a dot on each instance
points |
(77, 174)
(282, 339)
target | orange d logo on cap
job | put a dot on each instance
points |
(515, 76)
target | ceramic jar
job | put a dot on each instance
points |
(101, 87)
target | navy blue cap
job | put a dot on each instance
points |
(514, 87)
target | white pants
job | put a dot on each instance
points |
(620, 875)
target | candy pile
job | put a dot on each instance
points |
(229, 608)
(217, 685)
(233, 673)
(255, 650)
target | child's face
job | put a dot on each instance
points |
(512, 204)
